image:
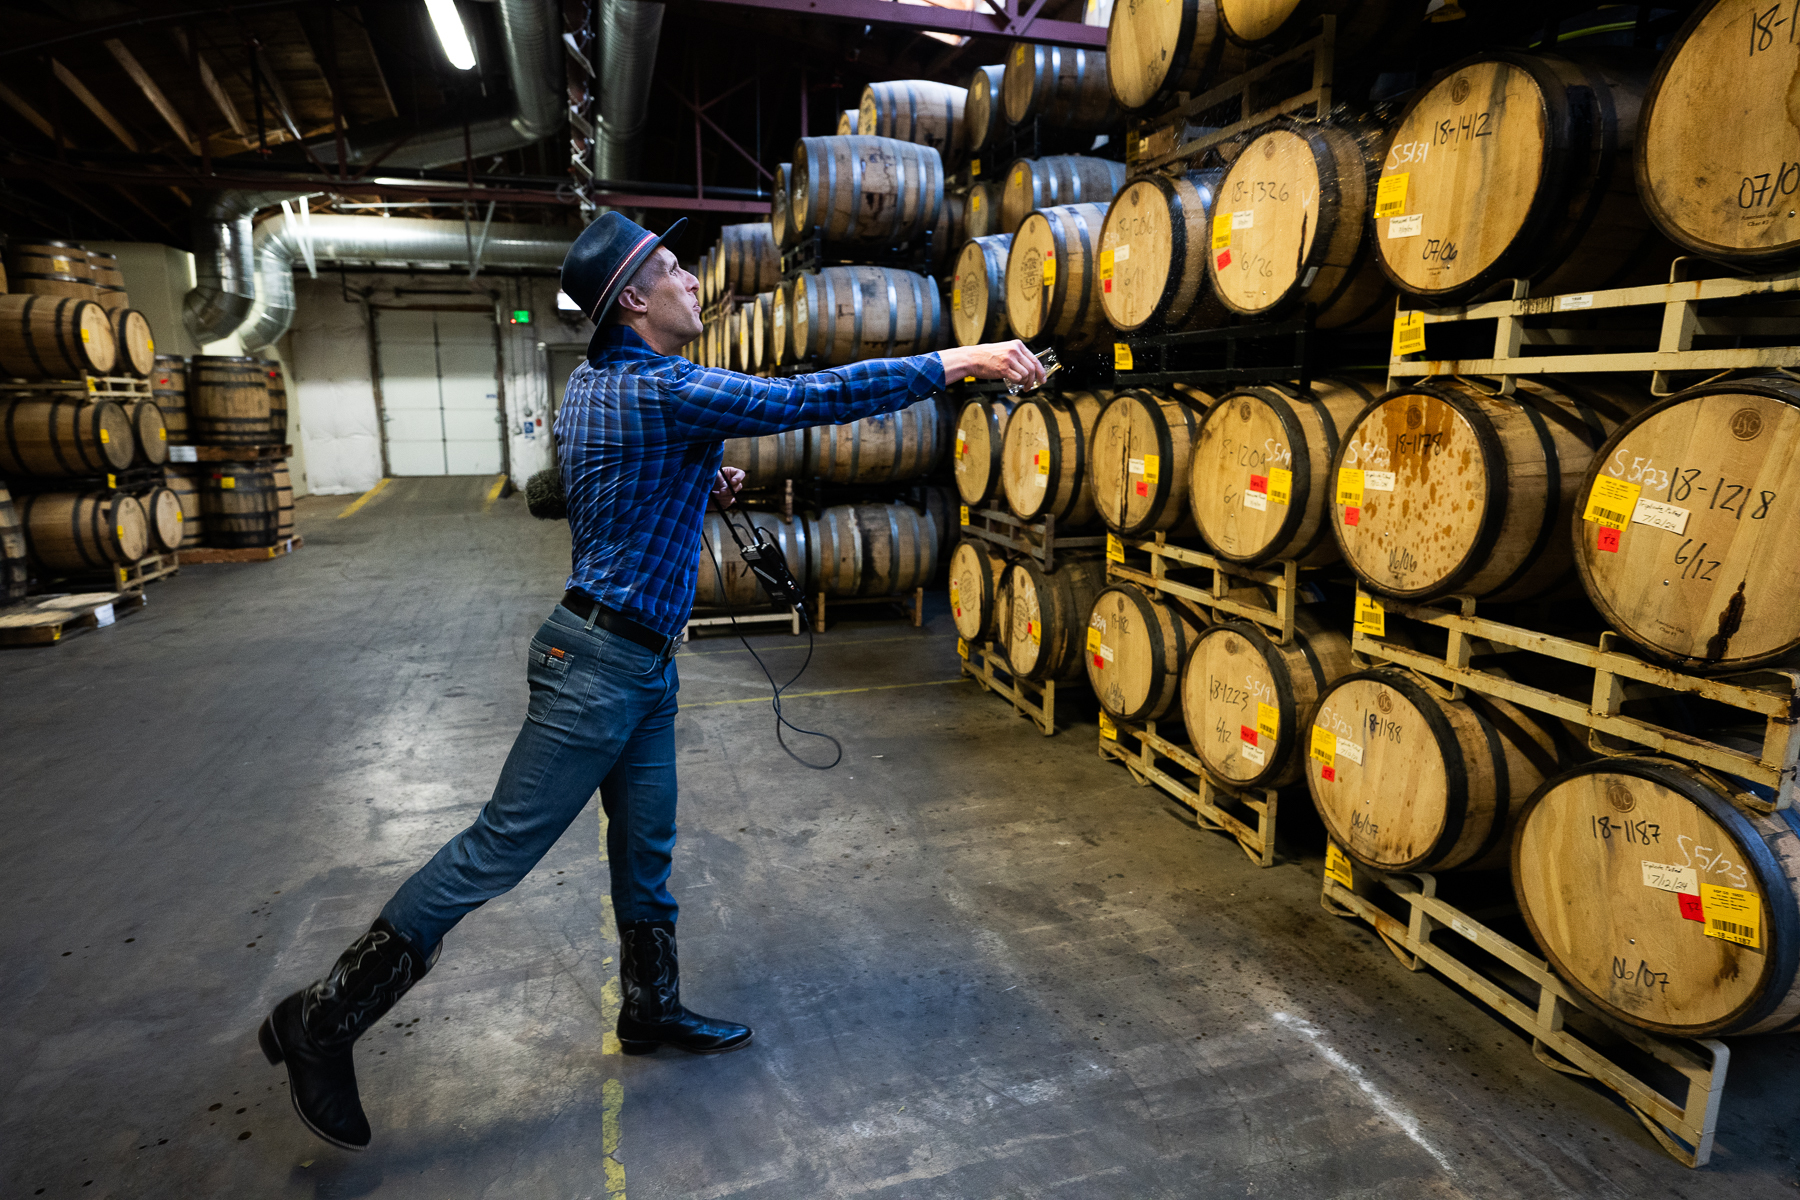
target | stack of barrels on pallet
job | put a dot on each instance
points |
(81, 438)
(1667, 515)
(233, 475)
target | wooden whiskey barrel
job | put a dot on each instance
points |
(865, 190)
(844, 314)
(82, 532)
(184, 482)
(169, 388)
(872, 550)
(921, 111)
(703, 273)
(1154, 249)
(52, 337)
(980, 436)
(1518, 165)
(977, 571)
(278, 402)
(847, 122)
(61, 436)
(1732, 198)
(1154, 51)
(240, 506)
(781, 222)
(1443, 488)
(721, 279)
(769, 459)
(725, 579)
(1136, 645)
(109, 281)
(1142, 443)
(741, 322)
(228, 401)
(136, 354)
(149, 435)
(1599, 851)
(15, 565)
(1298, 199)
(163, 519)
(781, 324)
(50, 268)
(1259, 480)
(1052, 280)
(1064, 87)
(1705, 486)
(1047, 637)
(983, 213)
(284, 500)
(884, 448)
(1033, 183)
(1044, 458)
(978, 293)
(1245, 697)
(984, 115)
(1408, 781)
(752, 260)
(1271, 24)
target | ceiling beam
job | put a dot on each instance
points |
(969, 22)
(19, 105)
(92, 103)
(152, 93)
(210, 83)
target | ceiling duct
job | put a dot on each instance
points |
(629, 33)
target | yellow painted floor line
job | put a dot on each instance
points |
(612, 1089)
(494, 493)
(829, 644)
(880, 687)
(366, 497)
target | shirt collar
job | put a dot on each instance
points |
(619, 344)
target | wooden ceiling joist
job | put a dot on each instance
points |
(92, 103)
(152, 93)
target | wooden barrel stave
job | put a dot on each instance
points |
(921, 111)
(1263, 443)
(228, 400)
(1440, 783)
(768, 459)
(751, 260)
(169, 388)
(1595, 857)
(1047, 634)
(1044, 458)
(15, 566)
(872, 550)
(1271, 24)
(1483, 485)
(977, 572)
(978, 294)
(1057, 179)
(1154, 248)
(845, 314)
(136, 353)
(865, 190)
(1155, 51)
(1142, 443)
(1052, 276)
(984, 212)
(184, 482)
(1065, 87)
(80, 533)
(884, 448)
(284, 499)
(64, 436)
(149, 433)
(984, 113)
(781, 223)
(980, 438)
(1136, 645)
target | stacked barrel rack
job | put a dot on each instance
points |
(1369, 584)
(93, 427)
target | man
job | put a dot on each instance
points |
(640, 436)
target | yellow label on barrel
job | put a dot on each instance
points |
(1390, 195)
(975, 173)
(1281, 486)
(1349, 486)
(1093, 640)
(162, 435)
(1268, 720)
(1050, 270)
(1337, 866)
(84, 335)
(1324, 745)
(1371, 618)
(1106, 266)
(962, 648)
(955, 597)
(1221, 237)
(1150, 465)
(1134, 143)
(1115, 549)
(150, 345)
(1041, 459)
(1108, 730)
(105, 437)
(965, 514)
(1121, 357)
(1034, 631)
(112, 480)
(1409, 333)
(228, 481)
(121, 530)
(1732, 915)
(1611, 502)
(956, 297)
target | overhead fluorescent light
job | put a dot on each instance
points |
(451, 34)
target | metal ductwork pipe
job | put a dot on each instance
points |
(279, 245)
(629, 33)
(224, 256)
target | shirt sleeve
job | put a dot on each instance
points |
(703, 402)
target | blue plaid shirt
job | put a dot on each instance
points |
(641, 435)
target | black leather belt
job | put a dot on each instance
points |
(613, 621)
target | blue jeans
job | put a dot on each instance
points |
(602, 715)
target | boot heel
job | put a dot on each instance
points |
(265, 1037)
(626, 1047)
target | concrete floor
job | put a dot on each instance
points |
(980, 963)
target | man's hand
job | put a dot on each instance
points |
(1010, 361)
(729, 483)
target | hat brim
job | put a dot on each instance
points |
(622, 276)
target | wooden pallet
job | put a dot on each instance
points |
(1525, 320)
(212, 554)
(1033, 539)
(1036, 702)
(43, 620)
(758, 616)
(116, 388)
(205, 454)
(912, 605)
(1769, 695)
(1245, 814)
(1283, 577)
(133, 576)
(1526, 993)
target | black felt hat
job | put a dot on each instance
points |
(605, 257)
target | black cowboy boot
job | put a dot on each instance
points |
(651, 1014)
(313, 1030)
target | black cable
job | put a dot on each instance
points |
(775, 699)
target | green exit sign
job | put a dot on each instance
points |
(521, 316)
